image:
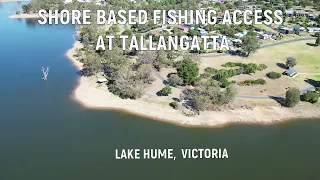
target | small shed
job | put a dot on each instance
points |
(290, 72)
(102, 80)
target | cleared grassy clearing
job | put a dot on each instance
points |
(307, 58)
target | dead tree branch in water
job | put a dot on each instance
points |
(45, 73)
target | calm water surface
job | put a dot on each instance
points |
(44, 135)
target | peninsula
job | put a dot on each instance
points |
(261, 79)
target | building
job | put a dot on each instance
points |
(265, 36)
(298, 28)
(286, 30)
(240, 35)
(290, 72)
(313, 29)
(183, 28)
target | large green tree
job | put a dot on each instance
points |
(188, 71)
(250, 44)
(292, 97)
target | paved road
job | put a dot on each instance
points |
(302, 90)
(264, 46)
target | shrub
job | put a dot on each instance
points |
(274, 75)
(174, 105)
(175, 80)
(292, 97)
(210, 70)
(246, 68)
(205, 75)
(318, 89)
(310, 96)
(165, 91)
(224, 83)
(252, 82)
(262, 67)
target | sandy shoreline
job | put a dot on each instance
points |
(24, 16)
(91, 97)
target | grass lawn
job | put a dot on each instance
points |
(264, 27)
(307, 58)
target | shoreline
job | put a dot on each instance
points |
(86, 94)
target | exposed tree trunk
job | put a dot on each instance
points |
(45, 73)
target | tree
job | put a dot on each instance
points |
(318, 41)
(165, 91)
(161, 60)
(292, 97)
(310, 96)
(249, 44)
(144, 73)
(207, 95)
(146, 57)
(229, 5)
(127, 32)
(175, 80)
(26, 8)
(291, 62)
(188, 71)
(92, 64)
(114, 29)
(126, 84)
(289, 5)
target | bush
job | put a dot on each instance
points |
(174, 105)
(274, 75)
(175, 80)
(262, 67)
(210, 70)
(165, 91)
(246, 68)
(292, 97)
(205, 75)
(318, 89)
(224, 83)
(252, 82)
(310, 96)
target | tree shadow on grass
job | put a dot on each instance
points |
(281, 65)
(313, 82)
(280, 100)
(311, 44)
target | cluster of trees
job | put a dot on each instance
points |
(222, 75)
(36, 5)
(207, 95)
(252, 82)
(293, 96)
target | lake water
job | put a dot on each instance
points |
(44, 135)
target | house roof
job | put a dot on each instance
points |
(290, 71)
